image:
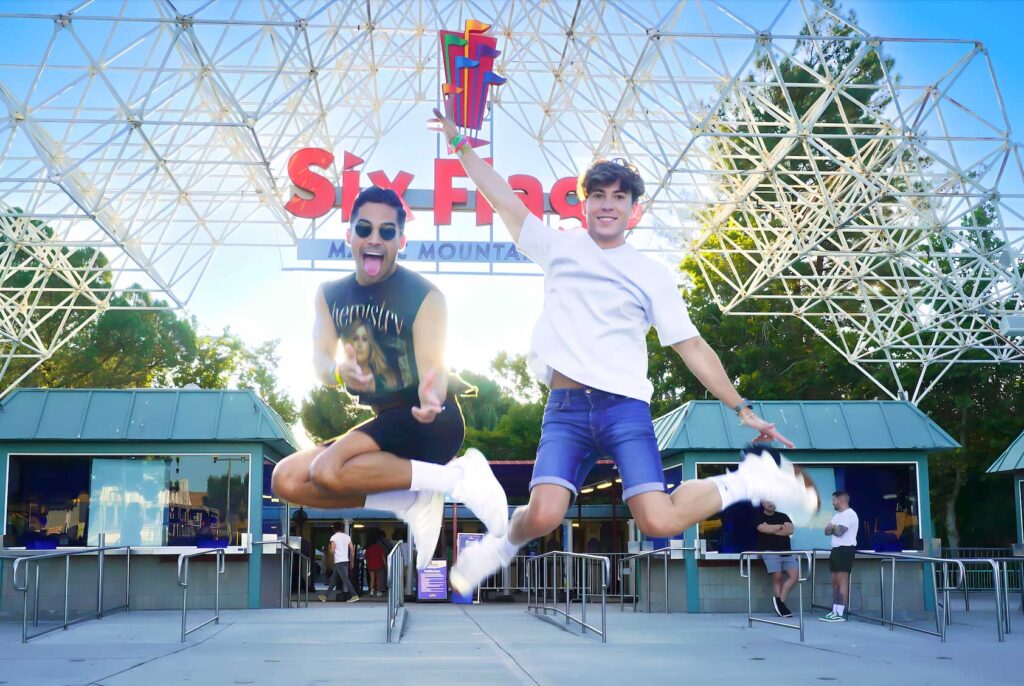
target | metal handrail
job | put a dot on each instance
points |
(538, 563)
(396, 593)
(27, 558)
(664, 552)
(304, 580)
(749, 555)
(942, 618)
(183, 560)
(1004, 563)
(286, 586)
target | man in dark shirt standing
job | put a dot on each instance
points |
(773, 531)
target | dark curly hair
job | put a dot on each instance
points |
(607, 172)
(383, 196)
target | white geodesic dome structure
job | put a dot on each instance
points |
(781, 146)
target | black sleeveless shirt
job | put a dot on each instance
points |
(377, 321)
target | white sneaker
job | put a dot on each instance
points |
(782, 483)
(424, 520)
(480, 491)
(477, 562)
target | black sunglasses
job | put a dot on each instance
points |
(387, 232)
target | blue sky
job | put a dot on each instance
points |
(497, 313)
(248, 291)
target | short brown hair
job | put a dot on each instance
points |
(607, 172)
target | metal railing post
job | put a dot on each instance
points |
(99, 581)
(664, 560)
(746, 570)
(219, 568)
(584, 566)
(647, 584)
(800, 594)
(67, 588)
(574, 570)
(396, 596)
(26, 567)
(35, 599)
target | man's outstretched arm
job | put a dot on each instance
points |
(503, 199)
(325, 353)
(703, 362)
(325, 342)
(429, 332)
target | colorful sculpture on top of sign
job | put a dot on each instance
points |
(468, 63)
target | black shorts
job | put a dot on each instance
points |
(841, 559)
(397, 432)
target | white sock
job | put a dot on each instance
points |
(840, 609)
(731, 487)
(508, 548)
(391, 501)
(427, 476)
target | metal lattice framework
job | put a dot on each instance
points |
(781, 149)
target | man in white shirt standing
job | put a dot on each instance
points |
(843, 530)
(344, 557)
(601, 296)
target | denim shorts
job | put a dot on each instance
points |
(582, 425)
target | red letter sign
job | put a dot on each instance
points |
(532, 193)
(559, 199)
(445, 195)
(308, 180)
(399, 185)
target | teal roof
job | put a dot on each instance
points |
(1012, 458)
(811, 424)
(36, 414)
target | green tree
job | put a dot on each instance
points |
(503, 421)
(135, 342)
(122, 348)
(981, 405)
(328, 412)
(490, 403)
(779, 356)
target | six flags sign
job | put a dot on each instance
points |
(315, 196)
(468, 59)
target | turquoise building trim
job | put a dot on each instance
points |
(148, 422)
(255, 524)
(826, 433)
(1018, 501)
(1012, 460)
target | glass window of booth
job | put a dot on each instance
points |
(139, 500)
(884, 495)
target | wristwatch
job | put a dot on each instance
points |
(744, 403)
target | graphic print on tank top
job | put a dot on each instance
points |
(373, 336)
(377, 322)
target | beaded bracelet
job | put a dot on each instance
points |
(458, 144)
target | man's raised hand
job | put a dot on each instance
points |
(766, 432)
(430, 400)
(352, 374)
(448, 127)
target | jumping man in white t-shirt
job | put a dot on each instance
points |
(601, 296)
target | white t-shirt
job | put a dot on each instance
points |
(341, 540)
(598, 307)
(849, 519)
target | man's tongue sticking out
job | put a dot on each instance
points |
(372, 264)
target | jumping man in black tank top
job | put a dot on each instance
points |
(392, 323)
